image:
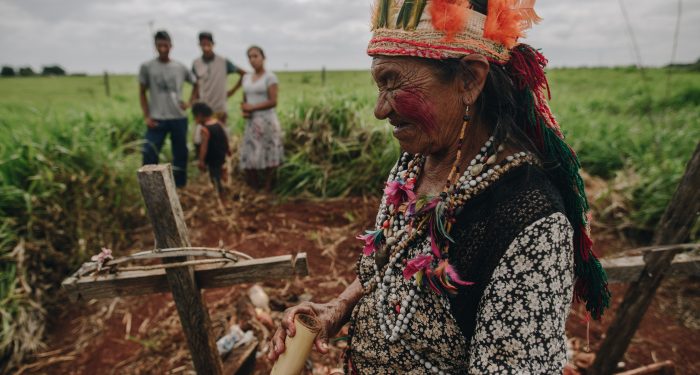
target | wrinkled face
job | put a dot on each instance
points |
(426, 114)
(256, 59)
(207, 46)
(163, 47)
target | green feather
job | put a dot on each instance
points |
(440, 222)
(383, 14)
(404, 14)
(417, 14)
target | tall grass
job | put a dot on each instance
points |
(332, 152)
(68, 157)
(67, 187)
(625, 127)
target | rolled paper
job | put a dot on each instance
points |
(297, 348)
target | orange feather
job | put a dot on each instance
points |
(449, 16)
(507, 20)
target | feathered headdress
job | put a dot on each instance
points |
(444, 29)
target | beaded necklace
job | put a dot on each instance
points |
(408, 222)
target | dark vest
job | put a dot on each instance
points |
(485, 227)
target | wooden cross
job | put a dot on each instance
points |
(182, 276)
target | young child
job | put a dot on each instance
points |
(214, 147)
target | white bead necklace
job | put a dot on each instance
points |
(394, 312)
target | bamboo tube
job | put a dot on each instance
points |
(297, 348)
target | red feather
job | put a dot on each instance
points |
(507, 20)
(449, 16)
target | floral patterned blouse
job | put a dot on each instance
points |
(516, 244)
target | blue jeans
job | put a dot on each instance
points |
(178, 137)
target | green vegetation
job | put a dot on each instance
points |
(68, 156)
(332, 150)
(67, 186)
(624, 127)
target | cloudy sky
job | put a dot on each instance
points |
(96, 35)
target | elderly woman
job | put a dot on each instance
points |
(481, 239)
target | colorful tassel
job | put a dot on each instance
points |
(441, 279)
(426, 204)
(526, 68)
(527, 65)
(440, 221)
(429, 277)
(447, 275)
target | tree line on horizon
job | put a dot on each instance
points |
(57, 70)
(27, 71)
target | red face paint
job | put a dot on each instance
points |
(412, 106)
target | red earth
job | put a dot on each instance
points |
(142, 335)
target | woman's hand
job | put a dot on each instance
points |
(247, 107)
(330, 315)
(246, 114)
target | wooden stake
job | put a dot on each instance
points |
(106, 82)
(674, 227)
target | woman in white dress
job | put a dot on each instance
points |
(261, 149)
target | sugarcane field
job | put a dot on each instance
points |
(370, 187)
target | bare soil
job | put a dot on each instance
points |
(142, 335)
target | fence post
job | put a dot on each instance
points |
(106, 83)
(674, 227)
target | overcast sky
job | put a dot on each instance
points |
(114, 35)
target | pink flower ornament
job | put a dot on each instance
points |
(372, 241)
(103, 257)
(399, 191)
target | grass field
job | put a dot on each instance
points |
(68, 155)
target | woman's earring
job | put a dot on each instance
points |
(454, 172)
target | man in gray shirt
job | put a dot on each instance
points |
(211, 71)
(164, 110)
